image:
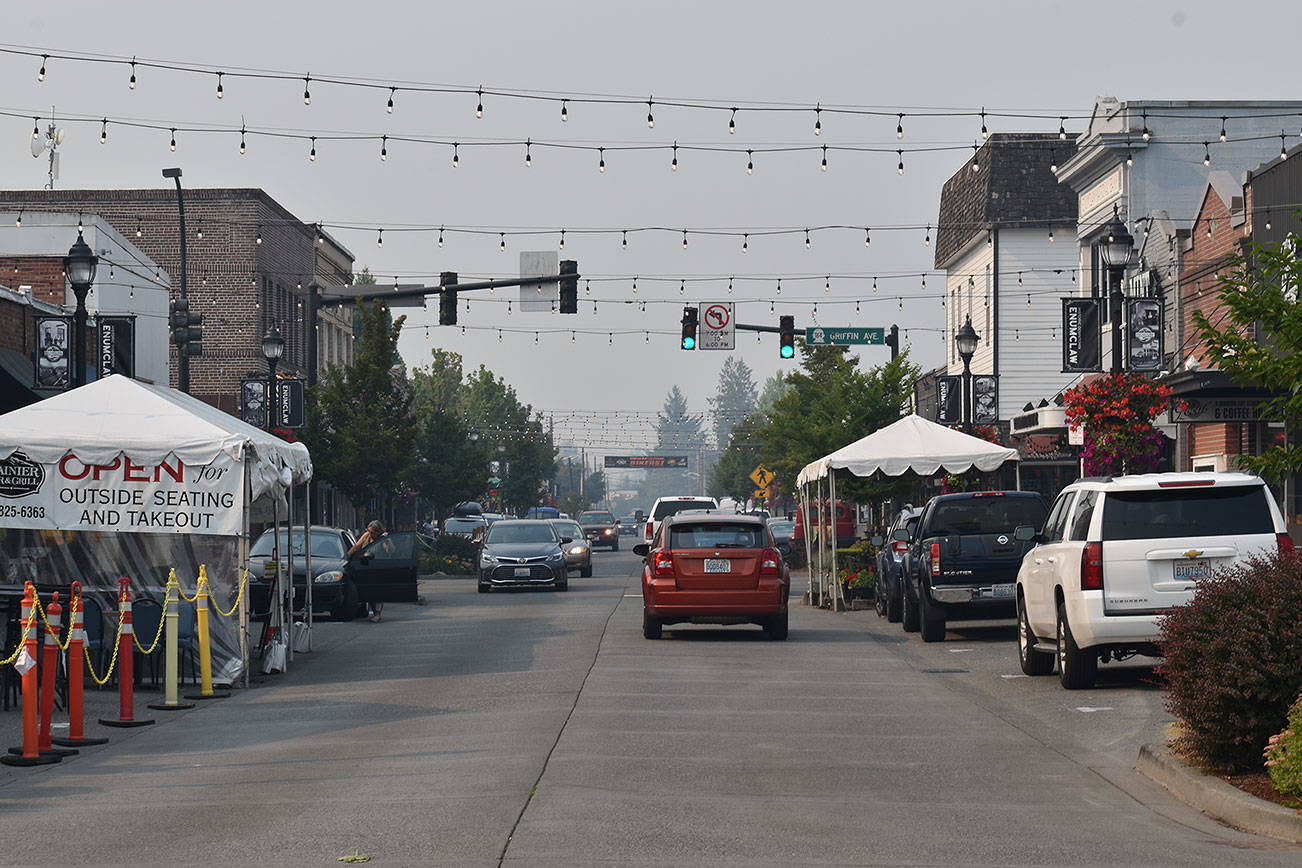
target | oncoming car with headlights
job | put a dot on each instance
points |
(601, 528)
(522, 553)
(578, 551)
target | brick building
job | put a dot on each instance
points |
(250, 263)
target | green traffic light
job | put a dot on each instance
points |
(689, 342)
(788, 351)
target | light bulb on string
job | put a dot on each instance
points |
(779, 286)
(899, 127)
(1145, 133)
(479, 107)
(258, 238)
(976, 165)
(732, 120)
(1019, 278)
(985, 133)
(856, 307)
(901, 301)
(1062, 129)
(823, 166)
(499, 336)
(745, 243)
(684, 239)
(463, 331)
(18, 221)
(1053, 159)
(131, 83)
(528, 156)
(818, 119)
(307, 95)
(501, 241)
(900, 167)
(1223, 120)
(384, 148)
(40, 76)
(730, 279)
(508, 308)
(36, 128)
(770, 307)
(456, 156)
(1050, 234)
(750, 163)
(611, 339)
(867, 237)
(379, 240)
(1207, 155)
(198, 232)
(682, 287)
(808, 243)
(815, 312)
(219, 84)
(650, 119)
(1283, 151)
(827, 283)
(635, 286)
(311, 155)
(1267, 219)
(440, 242)
(926, 242)
(79, 225)
(535, 339)
(103, 131)
(562, 242)
(874, 285)
(646, 337)
(601, 160)
(565, 111)
(172, 144)
(673, 164)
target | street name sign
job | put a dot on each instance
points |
(844, 336)
(717, 326)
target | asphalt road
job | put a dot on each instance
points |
(540, 728)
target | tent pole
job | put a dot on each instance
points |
(242, 564)
(289, 574)
(809, 549)
(307, 554)
(838, 598)
(276, 613)
(822, 577)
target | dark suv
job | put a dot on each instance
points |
(601, 528)
(963, 558)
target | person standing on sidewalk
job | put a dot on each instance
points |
(373, 531)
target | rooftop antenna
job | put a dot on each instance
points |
(50, 141)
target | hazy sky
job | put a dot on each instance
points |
(1041, 58)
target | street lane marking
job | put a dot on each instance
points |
(632, 595)
(959, 650)
(1087, 709)
(1018, 675)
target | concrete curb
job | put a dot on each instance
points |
(1217, 799)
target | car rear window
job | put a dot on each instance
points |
(986, 515)
(716, 535)
(673, 507)
(1183, 512)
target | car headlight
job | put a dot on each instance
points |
(556, 556)
(578, 550)
(329, 578)
(487, 560)
(609, 531)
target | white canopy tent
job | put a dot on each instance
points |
(911, 444)
(123, 458)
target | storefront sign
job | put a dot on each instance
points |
(122, 496)
(1047, 447)
(53, 352)
(1081, 338)
(1216, 410)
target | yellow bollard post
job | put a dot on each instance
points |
(205, 647)
(171, 605)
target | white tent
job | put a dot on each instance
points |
(911, 444)
(154, 477)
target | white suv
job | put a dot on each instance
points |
(1116, 553)
(666, 506)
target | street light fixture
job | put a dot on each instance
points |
(1115, 252)
(273, 347)
(966, 340)
(80, 265)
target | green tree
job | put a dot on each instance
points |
(774, 388)
(1258, 342)
(678, 432)
(734, 400)
(447, 467)
(517, 436)
(360, 426)
(731, 474)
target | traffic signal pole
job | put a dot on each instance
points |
(182, 350)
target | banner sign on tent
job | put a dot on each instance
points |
(1082, 350)
(117, 346)
(122, 496)
(253, 403)
(53, 352)
(949, 400)
(1144, 334)
(985, 399)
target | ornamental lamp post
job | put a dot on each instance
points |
(1115, 252)
(273, 347)
(79, 265)
(966, 339)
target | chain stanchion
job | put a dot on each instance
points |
(171, 702)
(205, 646)
(76, 649)
(25, 662)
(108, 673)
(126, 699)
(244, 582)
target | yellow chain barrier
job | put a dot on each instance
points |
(63, 646)
(108, 673)
(184, 596)
(171, 580)
(27, 628)
(243, 584)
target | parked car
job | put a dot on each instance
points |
(543, 512)
(845, 522)
(781, 529)
(470, 526)
(1115, 554)
(887, 592)
(600, 528)
(962, 560)
(578, 553)
(713, 569)
(522, 553)
(628, 525)
(667, 506)
(330, 592)
(385, 571)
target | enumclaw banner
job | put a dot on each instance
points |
(1082, 350)
(122, 496)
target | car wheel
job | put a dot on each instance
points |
(776, 627)
(651, 627)
(615, 546)
(931, 623)
(562, 584)
(894, 608)
(1077, 669)
(483, 587)
(348, 603)
(1033, 662)
(879, 599)
(586, 572)
(909, 613)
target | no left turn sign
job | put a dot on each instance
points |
(718, 330)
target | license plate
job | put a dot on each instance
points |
(1002, 591)
(1193, 570)
(522, 572)
(718, 565)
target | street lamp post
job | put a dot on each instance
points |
(183, 350)
(79, 265)
(273, 347)
(1115, 252)
(966, 340)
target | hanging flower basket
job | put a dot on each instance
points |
(1117, 411)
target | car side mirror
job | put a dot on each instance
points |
(1025, 533)
(877, 540)
(641, 550)
(567, 539)
(367, 558)
(900, 535)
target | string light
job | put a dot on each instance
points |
(823, 165)
(311, 155)
(456, 156)
(384, 148)
(899, 127)
(440, 237)
(389, 106)
(926, 242)
(198, 232)
(1062, 129)
(36, 128)
(1207, 155)
(770, 308)
(856, 306)
(684, 239)
(874, 285)
(900, 167)
(79, 226)
(172, 144)
(219, 84)
(40, 76)
(730, 279)
(976, 165)
(750, 163)
(985, 133)
(1145, 133)
(650, 120)
(379, 241)
(502, 242)
(1019, 278)
(1223, 120)
(779, 286)
(601, 160)
(103, 131)
(258, 239)
(732, 122)
(867, 237)
(131, 84)
(635, 286)
(827, 283)
(19, 222)
(818, 119)
(562, 243)
(307, 96)
(745, 243)
(242, 133)
(1050, 234)
(479, 109)
(682, 287)
(1053, 159)
(528, 156)
(808, 244)
(673, 164)
(901, 302)
(1267, 219)
(565, 112)
(1283, 152)
(624, 241)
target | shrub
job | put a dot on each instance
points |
(1232, 659)
(1284, 754)
(452, 546)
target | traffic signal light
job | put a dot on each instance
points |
(448, 298)
(569, 272)
(787, 336)
(689, 327)
(187, 328)
(893, 341)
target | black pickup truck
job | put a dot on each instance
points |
(962, 559)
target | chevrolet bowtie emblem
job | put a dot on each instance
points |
(1193, 553)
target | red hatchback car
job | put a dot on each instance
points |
(714, 569)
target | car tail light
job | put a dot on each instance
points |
(662, 565)
(1091, 567)
(650, 530)
(770, 564)
(935, 559)
(1285, 542)
(900, 546)
(1186, 484)
(988, 494)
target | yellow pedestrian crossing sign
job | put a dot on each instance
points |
(760, 495)
(761, 476)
